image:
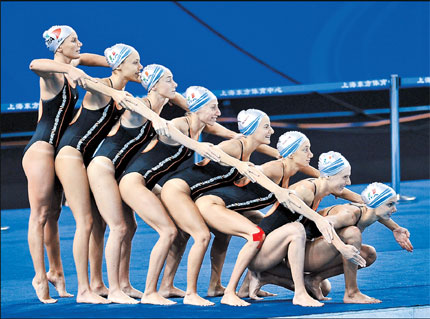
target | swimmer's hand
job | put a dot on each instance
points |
(208, 150)
(401, 235)
(78, 76)
(160, 126)
(352, 254)
(325, 227)
(248, 170)
(284, 198)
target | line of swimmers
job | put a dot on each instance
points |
(117, 156)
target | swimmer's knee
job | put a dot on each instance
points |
(352, 235)
(369, 253)
(259, 237)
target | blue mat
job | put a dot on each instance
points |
(398, 278)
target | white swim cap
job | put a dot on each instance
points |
(331, 163)
(56, 35)
(289, 142)
(197, 97)
(151, 74)
(116, 54)
(376, 194)
(248, 120)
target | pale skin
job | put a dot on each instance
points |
(45, 193)
(324, 261)
(72, 173)
(227, 221)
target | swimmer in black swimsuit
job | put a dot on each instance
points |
(127, 137)
(324, 261)
(101, 108)
(282, 225)
(58, 96)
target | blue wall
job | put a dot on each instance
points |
(312, 42)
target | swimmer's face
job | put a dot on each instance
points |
(387, 209)
(166, 86)
(340, 180)
(71, 46)
(209, 113)
(264, 131)
(303, 154)
(131, 67)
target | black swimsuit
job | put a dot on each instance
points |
(283, 215)
(201, 178)
(91, 127)
(159, 160)
(250, 196)
(313, 232)
(124, 144)
(56, 116)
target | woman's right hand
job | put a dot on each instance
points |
(160, 126)
(78, 76)
(248, 170)
(352, 254)
(325, 227)
(208, 150)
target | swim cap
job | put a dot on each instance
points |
(55, 35)
(151, 74)
(197, 97)
(116, 54)
(331, 163)
(376, 194)
(248, 120)
(290, 142)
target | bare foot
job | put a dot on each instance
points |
(313, 287)
(216, 291)
(196, 300)
(59, 283)
(119, 296)
(359, 297)
(42, 291)
(132, 292)
(101, 290)
(88, 296)
(233, 300)
(305, 300)
(254, 285)
(156, 299)
(171, 292)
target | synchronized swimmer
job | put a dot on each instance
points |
(116, 156)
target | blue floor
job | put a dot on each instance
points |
(398, 278)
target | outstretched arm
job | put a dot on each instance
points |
(45, 67)
(401, 234)
(349, 195)
(310, 171)
(180, 101)
(90, 59)
(219, 130)
(269, 150)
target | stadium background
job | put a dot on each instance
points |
(302, 42)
